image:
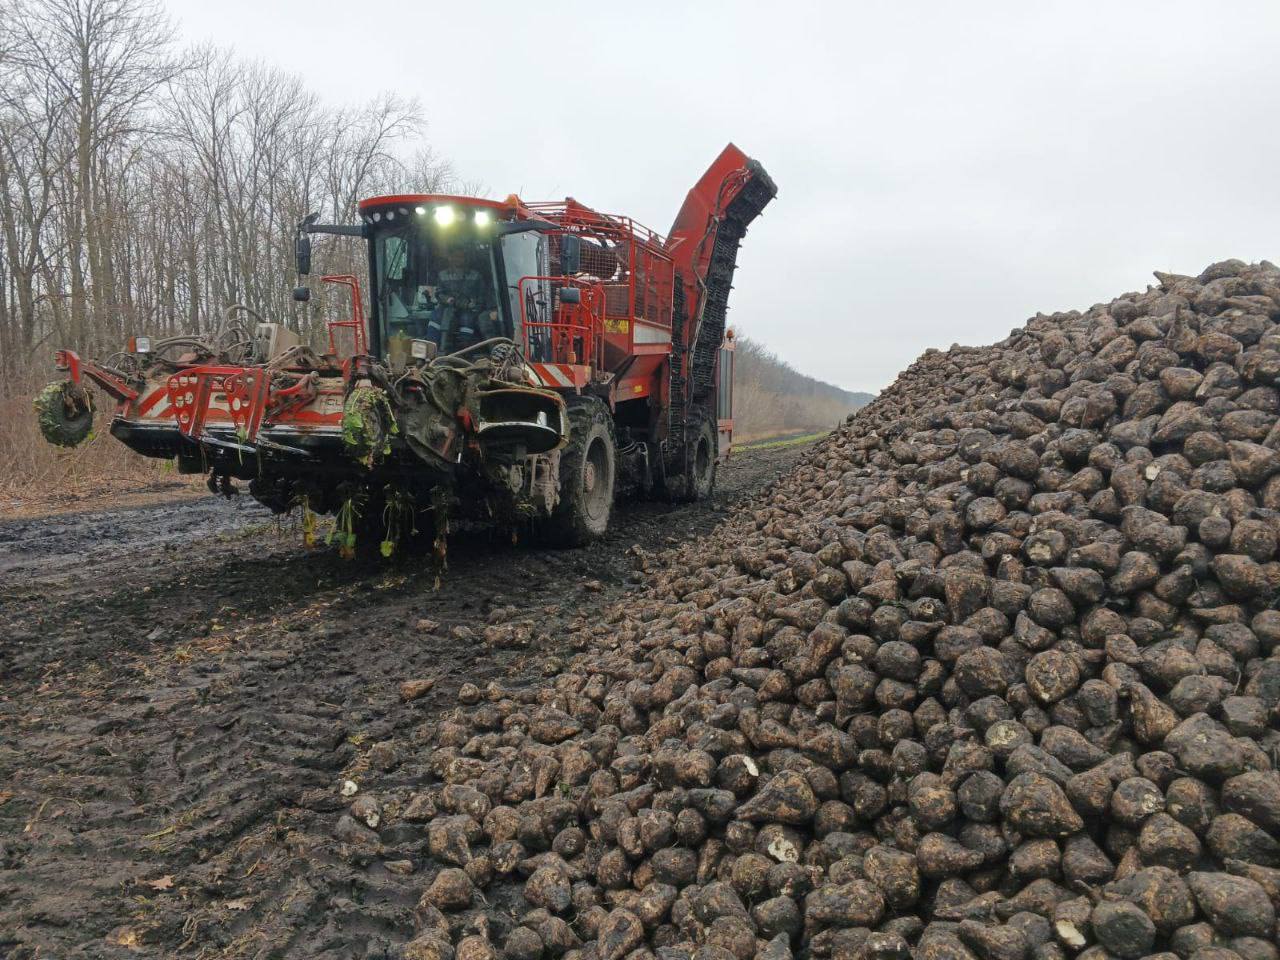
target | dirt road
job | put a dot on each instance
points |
(184, 688)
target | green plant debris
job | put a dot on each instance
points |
(784, 442)
(398, 519)
(368, 423)
(344, 529)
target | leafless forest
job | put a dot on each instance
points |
(147, 186)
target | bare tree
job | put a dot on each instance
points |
(30, 163)
(103, 61)
(143, 189)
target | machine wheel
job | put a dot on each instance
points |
(588, 477)
(700, 456)
(65, 411)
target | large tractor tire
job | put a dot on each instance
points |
(588, 477)
(699, 459)
(65, 412)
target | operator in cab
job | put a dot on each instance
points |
(462, 312)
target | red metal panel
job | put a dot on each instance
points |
(190, 390)
(705, 202)
(158, 394)
(648, 373)
(247, 395)
(411, 199)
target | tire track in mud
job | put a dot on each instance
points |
(44, 546)
(180, 711)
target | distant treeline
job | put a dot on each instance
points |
(771, 397)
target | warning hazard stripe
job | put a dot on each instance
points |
(553, 375)
(155, 397)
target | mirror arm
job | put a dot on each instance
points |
(336, 229)
(522, 226)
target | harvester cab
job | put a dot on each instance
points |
(521, 362)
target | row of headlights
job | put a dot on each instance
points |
(443, 216)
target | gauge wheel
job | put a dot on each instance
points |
(65, 412)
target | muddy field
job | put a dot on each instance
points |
(184, 689)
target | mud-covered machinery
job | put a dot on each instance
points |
(522, 362)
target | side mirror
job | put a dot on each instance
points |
(570, 295)
(302, 244)
(302, 253)
(570, 254)
(302, 294)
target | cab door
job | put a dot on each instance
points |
(524, 254)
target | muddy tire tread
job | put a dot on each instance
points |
(568, 526)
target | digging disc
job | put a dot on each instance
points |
(65, 412)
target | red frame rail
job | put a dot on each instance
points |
(576, 335)
(647, 268)
(356, 323)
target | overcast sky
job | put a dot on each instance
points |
(945, 170)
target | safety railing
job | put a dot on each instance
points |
(359, 337)
(640, 272)
(573, 332)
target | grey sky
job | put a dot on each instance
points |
(945, 170)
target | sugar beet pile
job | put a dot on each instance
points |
(995, 673)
